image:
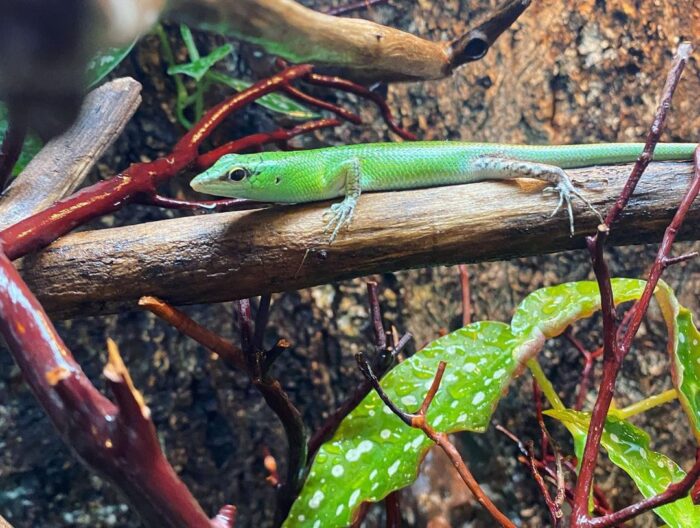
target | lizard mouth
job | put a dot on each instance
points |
(197, 184)
(207, 184)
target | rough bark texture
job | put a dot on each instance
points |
(568, 72)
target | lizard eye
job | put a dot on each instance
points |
(237, 174)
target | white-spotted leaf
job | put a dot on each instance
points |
(373, 453)
(628, 448)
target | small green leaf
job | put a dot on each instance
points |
(628, 448)
(32, 144)
(373, 452)
(199, 67)
(190, 44)
(274, 102)
(104, 62)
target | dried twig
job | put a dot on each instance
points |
(229, 352)
(382, 238)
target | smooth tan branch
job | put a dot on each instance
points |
(358, 48)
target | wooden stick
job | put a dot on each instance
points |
(63, 163)
(219, 257)
(361, 49)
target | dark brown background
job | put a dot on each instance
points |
(567, 72)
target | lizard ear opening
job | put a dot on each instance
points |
(237, 174)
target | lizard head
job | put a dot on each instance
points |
(252, 176)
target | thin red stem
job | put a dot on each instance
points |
(614, 350)
(418, 421)
(466, 294)
(366, 93)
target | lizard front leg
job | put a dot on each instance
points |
(501, 168)
(340, 214)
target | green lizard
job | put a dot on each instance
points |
(321, 174)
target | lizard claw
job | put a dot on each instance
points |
(339, 215)
(552, 189)
(566, 191)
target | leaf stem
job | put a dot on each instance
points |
(545, 385)
(646, 404)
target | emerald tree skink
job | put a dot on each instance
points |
(323, 174)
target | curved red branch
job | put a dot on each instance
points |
(117, 441)
(135, 182)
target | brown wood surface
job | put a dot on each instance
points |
(219, 257)
(64, 162)
(360, 48)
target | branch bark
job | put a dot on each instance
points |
(63, 164)
(361, 49)
(219, 257)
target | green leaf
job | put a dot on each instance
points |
(551, 310)
(687, 366)
(190, 44)
(684, 349)
(373, 452)
(104, 62)
(199, 67)
(274, 102)
(628, 448)
(32, 144)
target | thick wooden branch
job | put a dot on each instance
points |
(225, 256)
(63, 163)
(358, 48)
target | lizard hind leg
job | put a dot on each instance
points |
(340, 215)
(497, 167)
